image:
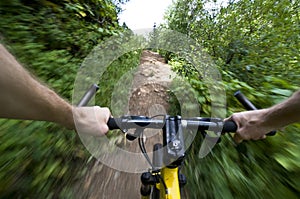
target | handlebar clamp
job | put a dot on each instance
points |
(173, 141)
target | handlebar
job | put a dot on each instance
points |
(142, 122)
(133, 122)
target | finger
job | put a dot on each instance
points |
(102, 116)
(263, 137)
(237, 138)
(234, 118)
(259, 138)
(228, 119)
(104, 129)
(107, 113)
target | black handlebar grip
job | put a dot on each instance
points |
(229, 126)
(248, 105)
(88, 95)
(112, 124)
(271, 133)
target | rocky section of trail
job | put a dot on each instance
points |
(149, 97)
(150, 85)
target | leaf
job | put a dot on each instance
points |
(283, 92)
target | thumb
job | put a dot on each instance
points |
(237, 138)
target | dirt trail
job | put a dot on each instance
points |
(148, 97)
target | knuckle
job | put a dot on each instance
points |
(104, 129)
(105, 110)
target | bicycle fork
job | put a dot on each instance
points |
(165, 182)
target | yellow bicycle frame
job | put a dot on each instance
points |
(170, 177)
(167, 181)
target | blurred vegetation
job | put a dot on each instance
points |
(255, 45)
(51, 38)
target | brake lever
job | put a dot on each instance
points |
(135, 135)
(88, 95)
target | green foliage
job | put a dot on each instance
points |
(51, 38)
(255, 45)
(39, 160)
(250, 37)
(113, 78)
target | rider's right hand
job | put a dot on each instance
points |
(251, 125)
(91, 120)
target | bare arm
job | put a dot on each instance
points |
(23, 97)
(285, 113)
(255, 124)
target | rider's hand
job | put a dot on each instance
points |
(91, 120)
(251, 125)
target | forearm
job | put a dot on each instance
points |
(23, 97)
(255, 124)
(284, 113)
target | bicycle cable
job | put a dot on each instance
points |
(164, 184)
(143, 149)
(160, 115)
